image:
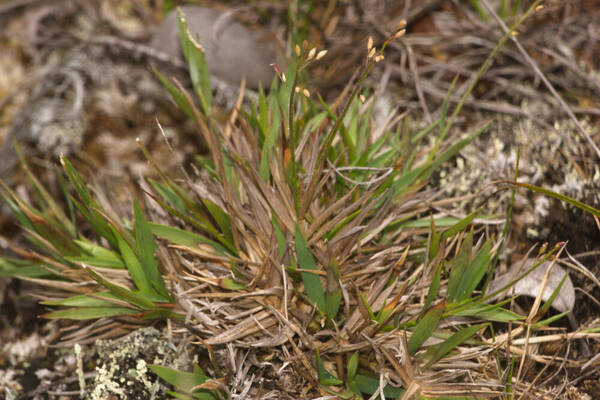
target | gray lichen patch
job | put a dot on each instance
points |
(553, 156)
(122, 369)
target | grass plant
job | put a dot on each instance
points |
(301, 238)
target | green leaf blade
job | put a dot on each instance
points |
(459, 266)
(131, 297)
(185, 381)
(438, 351)
(475, 272)
(86, 313)
(325, 377)
(146, 248)
(185, 238)
(133, 264)
(425, 327)
(369, 386)
(312, 283)
(199, 73)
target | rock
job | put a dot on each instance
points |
(231, 49)
(531, 284)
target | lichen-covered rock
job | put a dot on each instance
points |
(123, 371)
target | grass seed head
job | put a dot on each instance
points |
(311, 54)
(400, 33)
(306, 93)
(370, 43)
(321, 54)
(372, 53)
(379, 58)
(298, 51)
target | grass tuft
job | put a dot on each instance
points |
(303, 238)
